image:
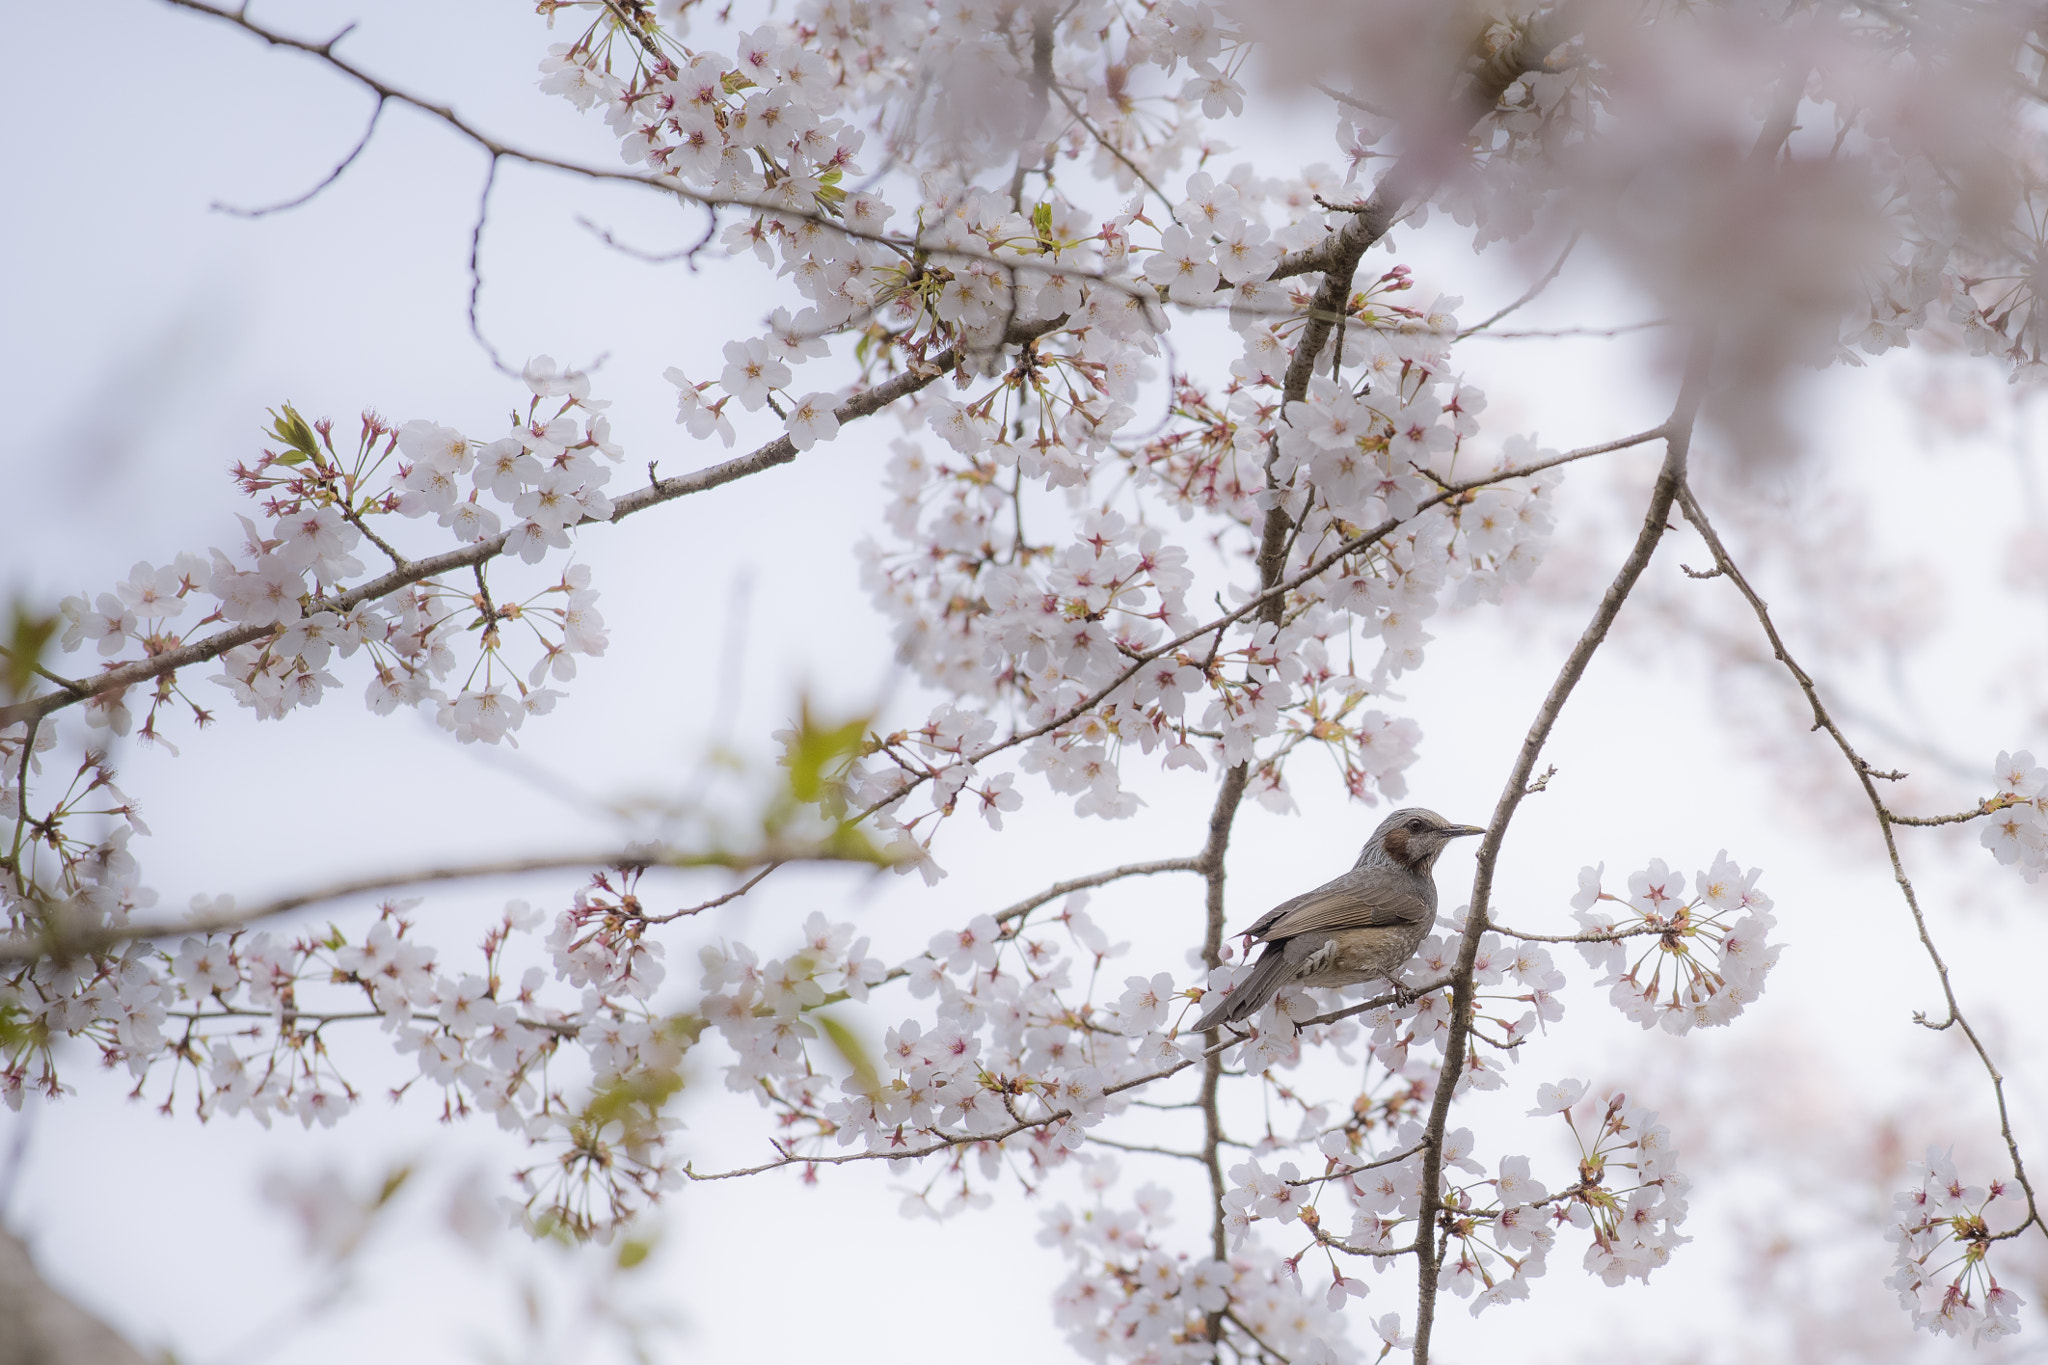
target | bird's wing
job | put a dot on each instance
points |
(1363, 898)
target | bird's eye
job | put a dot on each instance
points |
(1417, 825)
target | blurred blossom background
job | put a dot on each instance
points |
(1890, 510)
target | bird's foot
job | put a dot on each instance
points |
(1404, 994)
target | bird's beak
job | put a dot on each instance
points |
(1460, 831)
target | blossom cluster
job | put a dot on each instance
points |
(1130, 1297)
(1500, 1226)
(1634, 1225)
(255, 1015)
(763, 1010)
(1713, 945)
(1082, 635)
(1085, 636)
(1013, 1059)
(1373, 1154)
(296, 597)
(292, 587)
(1942, 1270)
(2016, 831)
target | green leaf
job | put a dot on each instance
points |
(819, 749)
(851, 1051)
(1041, 226)
(297, 435)
(633, 1251)
(394, 1181)
(18, 1030)
(28, 635)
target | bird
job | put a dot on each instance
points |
(1358, 927)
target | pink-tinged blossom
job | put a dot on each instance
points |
(1145, 1002)
(1183, 266)
(811, 420)
(702, 419)
(2015, 829)
(504, 468)
(1942, 1268)
(152, 593)
(1557, 1098)
(269, 595)
(545, 379)
(751, 371)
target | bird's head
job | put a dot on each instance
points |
(1412, 839)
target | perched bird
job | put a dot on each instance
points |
(1364, 925)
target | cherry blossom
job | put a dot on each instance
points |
(1101, 565)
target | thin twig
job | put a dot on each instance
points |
(1866, 778)
(1534, 289)
(61, 940)
(626, 249)
(1551, 333)
(1401, 997)
(332, 176)
(1140, 1147)
(1067, 888)
(1590, 936)
(1991, 806)
(1348, 1171)
(476, 276)
(742, 889)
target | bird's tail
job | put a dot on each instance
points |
(1250, 995)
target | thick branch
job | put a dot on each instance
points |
(1678, 442)
(39, 1326)
(1337, 255)
(1339, 252)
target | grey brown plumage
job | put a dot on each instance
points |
(1358, 927)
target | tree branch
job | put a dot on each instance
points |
(1678, 442)
(362, 143)
(1866, 778)
(1067, 888)
(1534, 289)
(776, 452)
(61, 940)
(1264, 599)
(944, 1142)
(39, 1326)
